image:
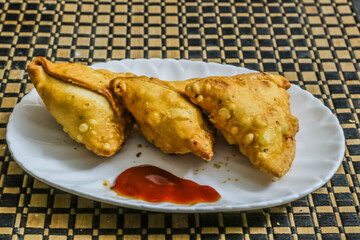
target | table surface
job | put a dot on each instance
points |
(314, 43)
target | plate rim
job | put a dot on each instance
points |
(185, 208)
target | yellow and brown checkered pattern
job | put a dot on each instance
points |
(314, 43)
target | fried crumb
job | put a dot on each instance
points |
(139, 146)
(352, 121)
(229, 179)
(195, 173)
(75, 148)
(228, 158)
(234, 155)
(228, 170)
(224, 182)
(217, 165)
(277, 223)
(106, 183)
(138, 154)
(236, 179)
(203, 169)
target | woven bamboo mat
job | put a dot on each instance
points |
(314, 43)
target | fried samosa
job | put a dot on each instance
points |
(165, 117)
(79, 99)
(254, 113)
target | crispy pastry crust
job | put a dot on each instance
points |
(95, 80)
(165, 118)
(253, 113)
(279, 80)
(79, 99)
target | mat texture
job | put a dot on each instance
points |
(314, 43)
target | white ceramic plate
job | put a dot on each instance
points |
(39, 145)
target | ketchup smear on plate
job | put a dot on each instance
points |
(153, 184)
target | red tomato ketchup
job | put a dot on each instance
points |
(153, 184)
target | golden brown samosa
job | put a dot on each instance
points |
(79, 99)
(253, 113)
(165, 117)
